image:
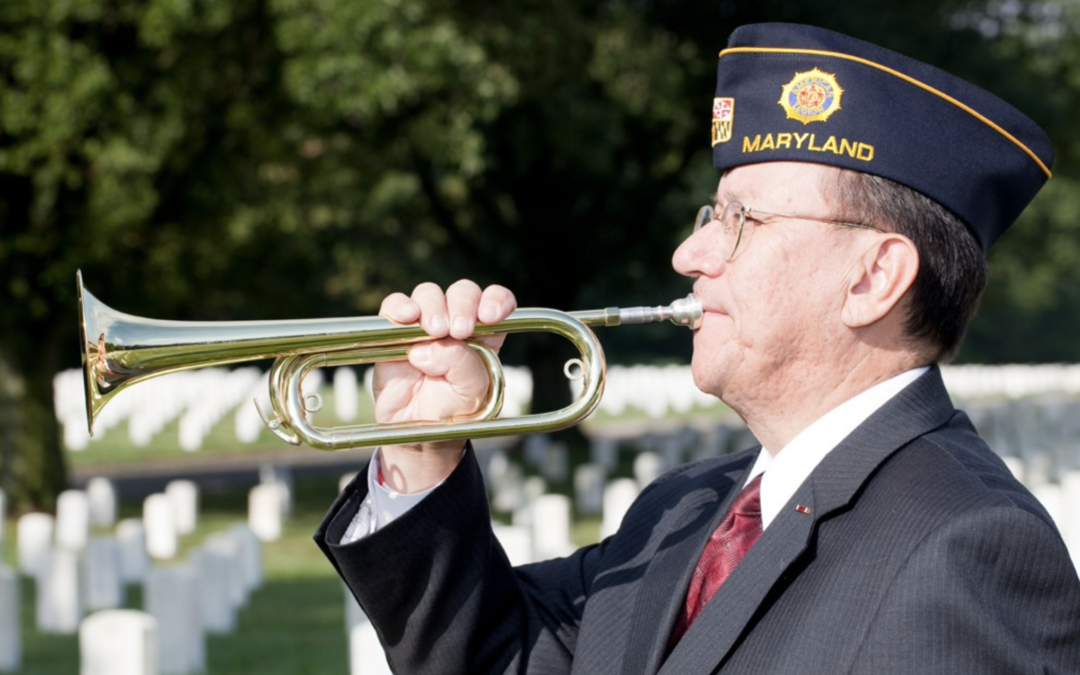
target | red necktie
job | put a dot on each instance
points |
(731, 541)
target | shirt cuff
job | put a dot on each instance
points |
(381, 506)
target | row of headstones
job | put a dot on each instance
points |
(76, 572)
(167, 516)
(1011, 381)
(1039, 439)
(1043, 432)
(197, 400)
(201, 398)
(169, 638)
(186, 601)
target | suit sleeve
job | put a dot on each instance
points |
(442, 594)
(991, 592)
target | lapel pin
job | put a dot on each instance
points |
(805, 510)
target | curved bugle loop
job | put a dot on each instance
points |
(121, 350)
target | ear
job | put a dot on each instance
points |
(879, 280)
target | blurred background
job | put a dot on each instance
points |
(289, 159)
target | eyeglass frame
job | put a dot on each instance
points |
(743, 211)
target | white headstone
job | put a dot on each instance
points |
(516, 541)
(159, 524)
(72, 520)
(172, 598)
(555, 464)
(35, 535)
(354, 613)
(551, 526)
(531, 490)
(265, 511)
(227, 546)
(272, 474)
(494, 463)
(118, 642)
(589, 488)
(346, 394)
(1016, 466)
(104, 583)
(1070, 498)
(1050, 495)
(507, 495)
(10, 622)
(134, 559)
(366, 655)
(218, 573)
(618, 496)
(59, 595)
(184, 497)
(604, 450)
(673, 448)
(534, 448)
(102, 495)
(647, 467)
(250, 554)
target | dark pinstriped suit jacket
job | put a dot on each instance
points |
(920, 554)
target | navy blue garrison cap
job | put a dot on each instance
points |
(786, 92)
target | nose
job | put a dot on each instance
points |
(696, 257)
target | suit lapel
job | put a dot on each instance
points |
(662, 590)
(918, 409)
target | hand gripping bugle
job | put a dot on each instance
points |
(120, 350)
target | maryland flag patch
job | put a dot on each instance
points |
(723, 113)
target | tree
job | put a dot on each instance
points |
(263, 159)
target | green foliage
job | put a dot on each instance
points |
(291, 158)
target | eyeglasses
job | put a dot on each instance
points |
(735, 235)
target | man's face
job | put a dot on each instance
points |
(772, 315)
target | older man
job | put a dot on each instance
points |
(873, 531)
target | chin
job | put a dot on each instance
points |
(706, 377)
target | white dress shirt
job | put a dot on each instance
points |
(381, 506)
(786, 469)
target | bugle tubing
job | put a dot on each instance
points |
(120, 350)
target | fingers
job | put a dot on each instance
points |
(439, 358)
(400, 308)
(462, 301)
(496, 303)
(451, 314)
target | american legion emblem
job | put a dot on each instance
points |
(811, 97)
(723, 112)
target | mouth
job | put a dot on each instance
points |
(708, 307)
(714, 311)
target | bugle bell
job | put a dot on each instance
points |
(120, 350)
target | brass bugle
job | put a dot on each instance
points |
(120, 350)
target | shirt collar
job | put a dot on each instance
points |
(788, 468)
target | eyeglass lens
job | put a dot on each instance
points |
(730, 222)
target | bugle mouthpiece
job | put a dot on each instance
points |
(683, 312)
